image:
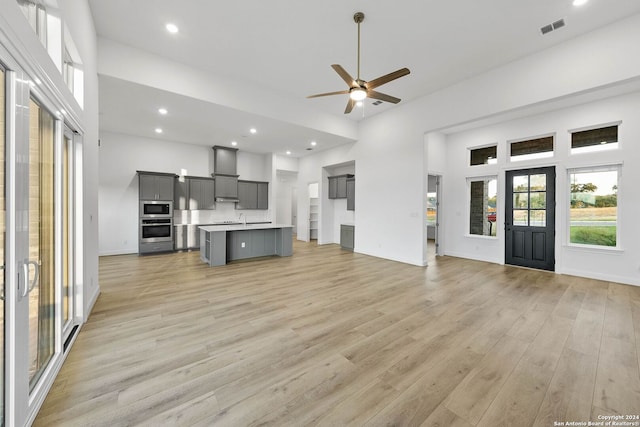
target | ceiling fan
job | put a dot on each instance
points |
(358, 88)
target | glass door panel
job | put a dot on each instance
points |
(2, 241)
(67, 279)
(41, 264)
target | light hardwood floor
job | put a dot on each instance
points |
(329, 337)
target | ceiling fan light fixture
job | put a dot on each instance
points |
(358, 94)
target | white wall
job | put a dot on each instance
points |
(285, 184)
(390, 151)
(614, 265)
(119, 184)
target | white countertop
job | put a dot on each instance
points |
(237, 227)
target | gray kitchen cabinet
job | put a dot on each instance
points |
(226, 186)
(333, 187)
(224, 160)
(155, 186)
(338, 186)
(194, 193)
(181, 194)
(347, 236)
(201, 194)
(186, 237)
(253, 195)
(247, 195)
(351, 194)
(263, 195)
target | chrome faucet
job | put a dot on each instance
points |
(244, 217)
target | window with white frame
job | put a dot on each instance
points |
(482, 206)
(587, 141)
(593, 206)
(483, 156)
(537, 148)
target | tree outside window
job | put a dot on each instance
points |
(594, 208)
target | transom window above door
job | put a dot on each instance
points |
(537, 148)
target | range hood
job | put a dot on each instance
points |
(225, 174)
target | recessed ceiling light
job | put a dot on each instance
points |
(158, 130)
(162, 111)
(234, 143)
(579, 2)
(313, 143)
(172, 28)
(253, 130)
(288, 152)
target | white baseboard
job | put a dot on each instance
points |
(118, 252)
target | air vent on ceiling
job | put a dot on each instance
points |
(377, 102)
(553, 26)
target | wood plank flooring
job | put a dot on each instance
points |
(330, 338)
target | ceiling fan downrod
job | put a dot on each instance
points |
(358, 17)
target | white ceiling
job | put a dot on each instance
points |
(289, 45)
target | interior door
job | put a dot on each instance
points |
(530, 218)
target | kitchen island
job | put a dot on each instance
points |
(220, 244)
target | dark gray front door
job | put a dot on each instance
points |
(530, 218)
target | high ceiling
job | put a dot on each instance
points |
(288, 46)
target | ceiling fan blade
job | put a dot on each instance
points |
(350, 81)
(350, 106)
(387, 78)
(340, 92)
(382, 97)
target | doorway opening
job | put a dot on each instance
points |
(433, 217)
(314, 210)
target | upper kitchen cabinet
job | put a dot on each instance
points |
(351, 194)
(202, 194)
(226, 188)
(156, 185)
(194, 193)
(225, 160)
(225, 173)
(253, 195)
(338, 186)
(263, 195)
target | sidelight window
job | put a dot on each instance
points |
(593, 210)
(482, 206)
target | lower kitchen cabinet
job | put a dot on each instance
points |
(347, 236)
(186, 237)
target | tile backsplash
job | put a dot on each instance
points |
(223, 212)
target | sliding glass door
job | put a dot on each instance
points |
(40, 268)
(37, 304)
(2, 241)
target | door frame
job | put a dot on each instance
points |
(550, 218)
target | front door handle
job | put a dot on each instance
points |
(36, 276)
